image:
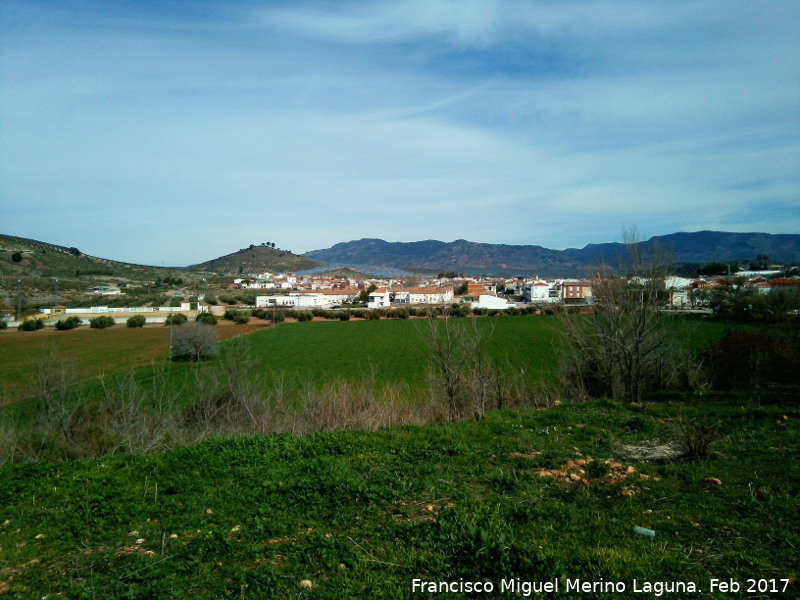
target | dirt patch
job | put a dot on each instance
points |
(605, 472)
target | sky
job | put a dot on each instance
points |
(168, 132)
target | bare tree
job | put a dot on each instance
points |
(620, 350)
(53, 385)
(194, 341)
(461, 370)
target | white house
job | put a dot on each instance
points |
(430, 295)
(492, 303)
(379, 299)
(320, 298)
(340, 296)
(539, 291)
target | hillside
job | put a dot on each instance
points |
(530, 497)
(42, 259)
(475, 258)
(257, 259)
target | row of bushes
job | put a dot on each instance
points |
(455, 310)
(104, 322)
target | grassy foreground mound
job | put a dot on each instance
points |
(519, 499)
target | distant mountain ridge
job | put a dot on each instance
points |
(502, 259)
(396, 258)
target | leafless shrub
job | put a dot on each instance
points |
(194, 341)
(461, 376)
(230, 398)
(53, 383)
(620, 350)
(696, 438)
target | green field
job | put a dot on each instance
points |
(89, 353)
(539, 496)
(519, 497)
(390, 350)
(395, 350)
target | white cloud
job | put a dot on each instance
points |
(490, 121)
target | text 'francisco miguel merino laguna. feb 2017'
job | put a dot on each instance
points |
(579, 586)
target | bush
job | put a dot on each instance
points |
(744, 360)
(696, 438)
(101, 322)
(3, 324)
(68, 323)
(31, 325)
(176, 319)
(242, 317)
(194, 342)
(206, 318)
(136, 321)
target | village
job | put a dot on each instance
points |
(297, 291)
(293, 291)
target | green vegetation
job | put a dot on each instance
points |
(68, 323)
(438, 449)
(136, 321)
(176, 319)
(31, 325)
(207, 318)
(539, 496)
(101, 322)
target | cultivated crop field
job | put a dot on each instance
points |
(91, 352)
(320, 351)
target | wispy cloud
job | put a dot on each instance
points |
(551, 123)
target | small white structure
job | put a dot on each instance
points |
(275, 301)
(492, 303)
(679, 297)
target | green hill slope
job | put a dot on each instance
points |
(519, 500)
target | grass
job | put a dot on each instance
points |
(361, 515)
(395, 350)
(92, 352)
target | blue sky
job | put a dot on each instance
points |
(172, 132)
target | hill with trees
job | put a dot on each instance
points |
(256, 259)
(23, 257)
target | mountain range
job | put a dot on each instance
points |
(379, 257)
(501, 259)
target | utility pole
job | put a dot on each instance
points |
(19, 299)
